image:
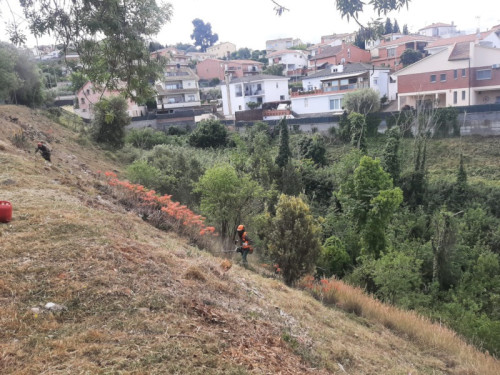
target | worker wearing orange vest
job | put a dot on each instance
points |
(244, 244)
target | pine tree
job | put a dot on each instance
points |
(405, 29)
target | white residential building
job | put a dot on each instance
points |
(324, 90)
(294, 61)
(178, 89)
(236, 93)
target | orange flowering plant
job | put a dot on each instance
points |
(160, 210)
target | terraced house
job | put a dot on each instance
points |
(463, 74)
(177, 89)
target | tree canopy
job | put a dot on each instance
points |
(110, 36)
(202, 34)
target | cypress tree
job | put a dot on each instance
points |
(391, 162)
(284, 148)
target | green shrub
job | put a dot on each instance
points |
(146, 138)
(208, 133)
(334, 259)
(140, 172)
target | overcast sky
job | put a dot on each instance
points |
(250, 23)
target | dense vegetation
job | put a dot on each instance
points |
(389, 216)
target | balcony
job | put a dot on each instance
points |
(333, 89)
(251, 93)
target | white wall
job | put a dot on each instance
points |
(273, 90)
(309, 104)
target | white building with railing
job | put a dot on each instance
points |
(178, 89)
(323, 91)
(259, 89)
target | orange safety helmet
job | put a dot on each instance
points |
(240, 228)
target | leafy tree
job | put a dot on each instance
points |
(395, 27)
(397, 277)
(110, 119)
(155, 46)
(362, 101)
(21, 81)
(372, 31)
(391, 162)
(274, 70)
(202, 34)
(357, 123)
(352, 8)
(78, 79)
(209, 133)
(146, 138)
(141, 172)
(334, 259)
(184, 46)
(226, 198)
(259, 55)
(388, 26)
(9, 81)
(110, 38)
(313, 148)
(241, 54)
(410, 56)
(370, 200)
(317, 184)
(344, 127)
(284, 152)
(294, 238)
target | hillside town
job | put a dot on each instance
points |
(438, 66)
(172, 202)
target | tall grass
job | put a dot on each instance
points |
(416, 327)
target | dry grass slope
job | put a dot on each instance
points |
(142, 301)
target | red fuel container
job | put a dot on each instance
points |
(5, 212)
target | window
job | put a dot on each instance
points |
(442, 77)
(463, 72)
(306, 103)
(391, 52)
(335, 104)
(282, 97)
(483, 74)
(463, 95)
(88, 91)
(455, 74)
(433, 78)
(277, 85)
(455, 97)
(83, 101)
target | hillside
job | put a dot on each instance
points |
(137, 300)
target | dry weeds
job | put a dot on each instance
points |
(139, 300)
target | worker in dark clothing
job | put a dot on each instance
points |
(244, 244)
(44, 150)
